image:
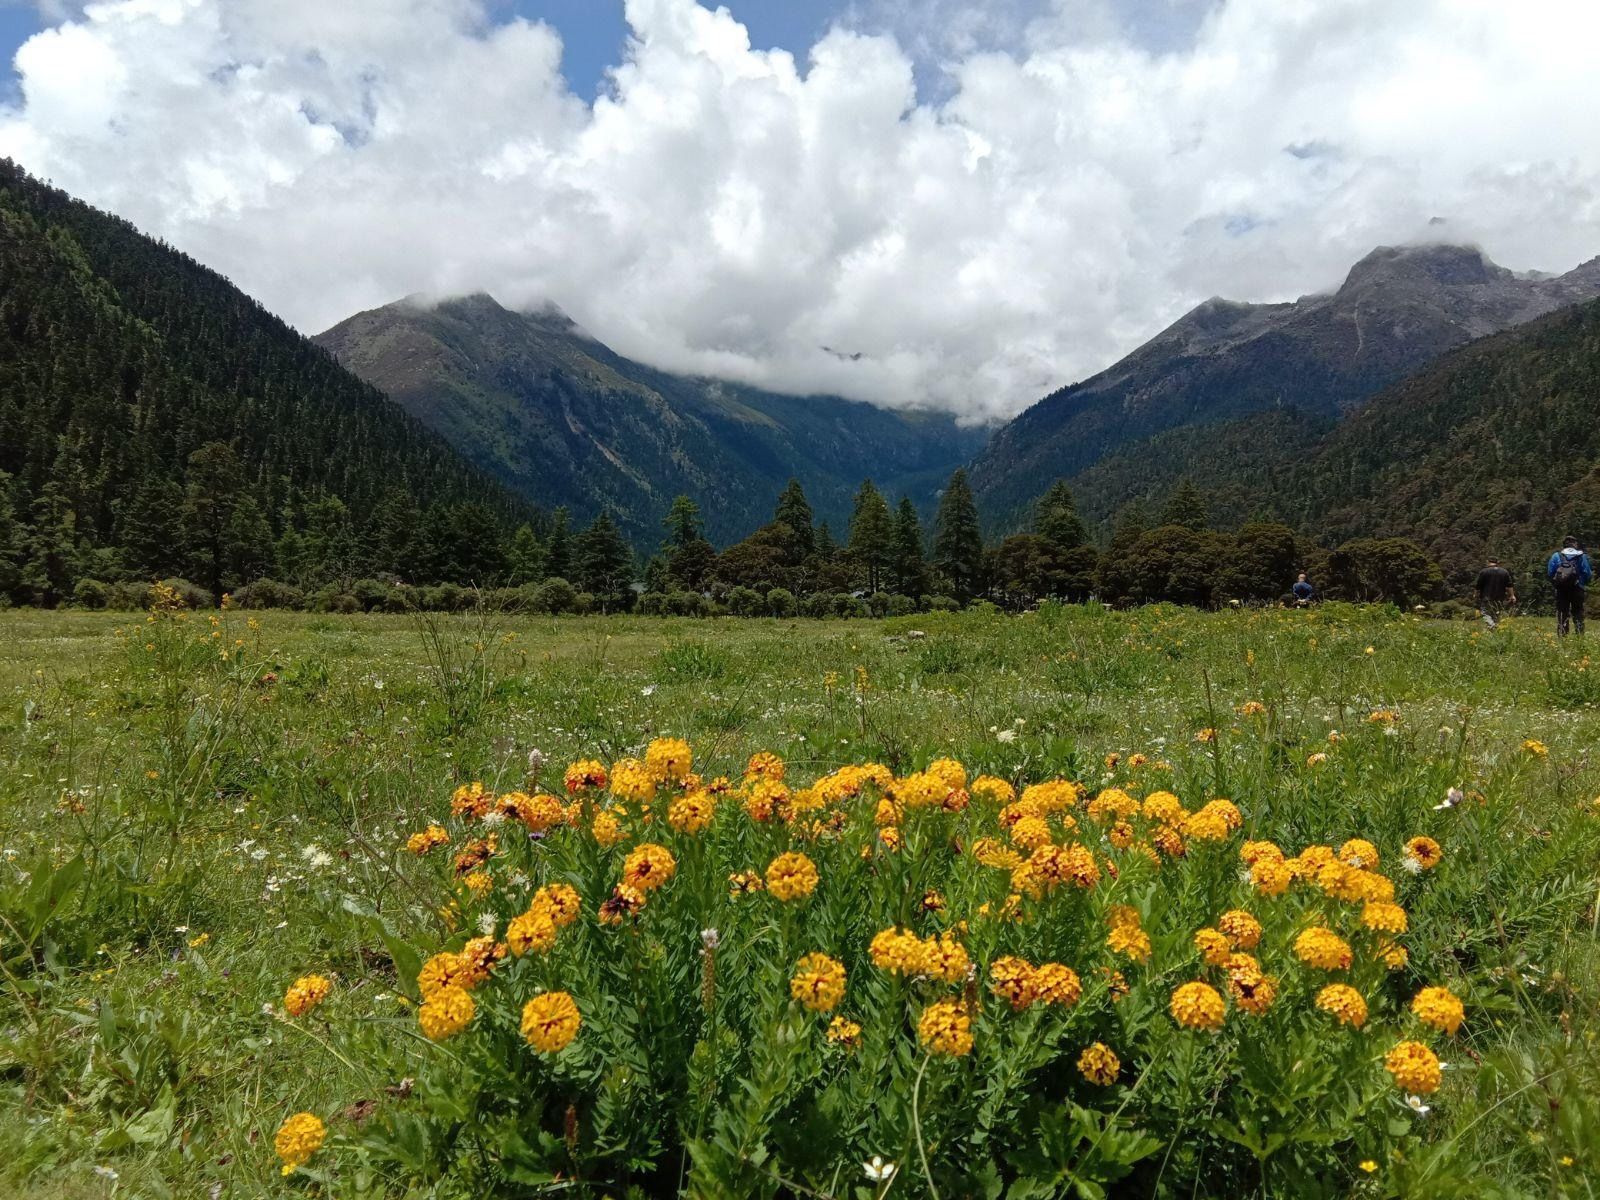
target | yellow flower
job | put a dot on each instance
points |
(1099, 1065)
(898, 951)
(1241, 929)
(1055, 983)
(1368, 1166)
(1323, 949)
(298, 1139)
(766, 765)
(624, 901)
(1129, 940)
(1271, 876)
(995, 791)
(945, 958)
(818, 982)
(448, 1011)
(550, 1021)
(1197, 1006)
(607, 829)
(692, 813)
(559, 902)
(923, 789)
(532, 930)
(585, 775)
(1384, 916)
(990, 852)
(1425, 852)
(1251, 990)
(1213, 946)
(1030, 833)
(1012, 980)
(1414, 1068)
(945, 1028)
(648, 866)
(1112, 803)
(1253, 852)
(744, 883)
(1439, 1007)
(1536, 748)
(667, 759)
(791, 876)
(950, 771)
(429, 838)
(305, 993)
(1360, 853)
(631, 781)
(1164, 808)
(1344, 1003)
(844, 1032)
(440, 971)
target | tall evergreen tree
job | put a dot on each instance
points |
(871, 535)
(682, 522)
(794, 510)
(247, 548)
(150, 528)
(329, 543)
(909, 565)
(1186, 506)
(604, 563)
(958, 538)
(50, 553)
(558, 551)
(477, 552)
(392, 534)
(11, 545)
(215, 479)
(1056, 520)
(525, 557)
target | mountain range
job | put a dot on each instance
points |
(562, 420)
(1130, 430)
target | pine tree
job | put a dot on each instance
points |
(871, 534)
(1056, 519)
(1186, 506)
(246, 544)
(11, 545)
(477, 549)
(49, 558)
(794, 510)
(825, 547)
(909, 566)
(604, 563)
(392, 534)
(150, 528)
(682, 522)
(525, 557)
(329, 543)
(558, 551)
(215, 478)
(958, 538)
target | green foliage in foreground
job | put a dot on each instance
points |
(190, 821)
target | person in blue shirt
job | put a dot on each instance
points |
(1303, 591)
(1569, 573)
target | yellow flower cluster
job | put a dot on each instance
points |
(668, 760)
(1099, 1065)
(946, 1028)
(550, 1020)
(791, 876)
(1414, 1068)
(1197, 1005)
(648, 866)
(305, 993)
(427, 839)
(1440, 1008)
(1324, 949)
(818, 982)
(1344, 1004)
(297, 1139)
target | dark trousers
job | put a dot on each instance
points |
(1569, 610)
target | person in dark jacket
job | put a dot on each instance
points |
(1569, 573)
(1303, 591)
(1496, 592)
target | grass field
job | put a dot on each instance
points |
(195, 812)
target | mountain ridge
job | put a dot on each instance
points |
(560, 418)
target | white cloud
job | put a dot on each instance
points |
(811, 225)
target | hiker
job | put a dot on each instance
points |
(1496, 592)
(1569, 573)
(1303, 591)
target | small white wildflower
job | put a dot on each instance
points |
(1007, 736)
(180, 929)
(377, 685)
(1410, 863)
(316, 857)
(1451, 798)
(486, 924)
(106, 1173)
(493, 818)
(878, 1170)
(1417, 1106)
(535, 761)
(710, 938)
(648, 690)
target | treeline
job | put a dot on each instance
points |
(888, 562)
(154, 420)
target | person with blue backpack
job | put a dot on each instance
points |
(1569, 573)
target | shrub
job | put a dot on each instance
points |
(554, 596)
(818, 604)
(780, 602)
(686, 604)
(192, 595)
(846, 605)
(651, 604)
(370, 594)
(268, 593)
(942, 604)
(745, 602)
(878, 604)
(91, 593)
(128, 596)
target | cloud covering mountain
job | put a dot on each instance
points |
(818, 224)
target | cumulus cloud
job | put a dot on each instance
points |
(1076, 183)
